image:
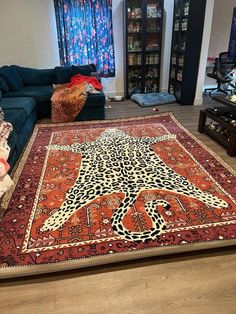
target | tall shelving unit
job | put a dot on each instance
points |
(143, 40)
(188, 24)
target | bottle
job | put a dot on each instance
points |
(131, 60)
(186, 8)
(139, 59)
(173, 73)
(129, 13)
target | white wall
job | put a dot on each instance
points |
(221, 26)
(166, 44)
(204, 51)
(28, 33)
(220, 33)
(115, 86)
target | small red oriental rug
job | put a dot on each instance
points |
(92, 193)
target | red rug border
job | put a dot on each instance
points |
(22, 271)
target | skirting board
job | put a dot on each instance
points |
(114, 93)
(121, 92)
(198, 101)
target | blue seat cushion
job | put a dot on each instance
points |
(36, 77)
(12, 142)
(95, 100)
(16, 117)
(85, 70)
(39, 93)
(63, 74)
(3, 85)
(17, 140)
(24, 104)
(12, 77)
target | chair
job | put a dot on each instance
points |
(227, 64)
(222, 67)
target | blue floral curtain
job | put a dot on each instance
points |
(85, 34)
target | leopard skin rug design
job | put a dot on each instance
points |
(117, 162)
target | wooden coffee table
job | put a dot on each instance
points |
(229, 141)
(225, 100)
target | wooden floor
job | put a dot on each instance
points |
(199, 282)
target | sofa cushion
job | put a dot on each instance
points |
(39, 93)
(63, 74)
(94, 108)
(24, 104)
(83, 69)
(36, 77)
(95, 100)
(19, 137)
(12, 77)
(3, 85)
(97, 113)
(16, 117)
(12, 142)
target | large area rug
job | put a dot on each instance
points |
(101, 192)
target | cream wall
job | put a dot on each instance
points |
(220, 33)
(28, 33)
(204, 51)
(221, 26)
(166, 44)
(115, 86)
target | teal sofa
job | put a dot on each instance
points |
(26, 94)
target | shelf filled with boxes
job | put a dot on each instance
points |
(143, 37)
(188, 22)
